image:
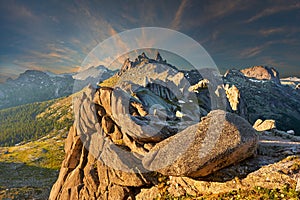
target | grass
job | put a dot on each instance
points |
(286, 192)
(110, 82)
(259, 193)
(28, 171)
(45, 152)
(20, 181)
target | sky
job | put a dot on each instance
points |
(57, 35)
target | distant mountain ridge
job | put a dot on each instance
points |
(36, 86)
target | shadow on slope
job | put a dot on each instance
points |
(20, 181)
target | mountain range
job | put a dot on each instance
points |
(36, 86)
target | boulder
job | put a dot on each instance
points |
(219, 140)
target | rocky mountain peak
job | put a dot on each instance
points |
(158, 57)
(141, 60)
(262, 73)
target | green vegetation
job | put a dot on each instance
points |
(28, 170)
(46, 152)
(110, 82)
(20, 181)
(286, 192)
(24, 123)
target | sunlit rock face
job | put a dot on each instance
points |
(262, 73)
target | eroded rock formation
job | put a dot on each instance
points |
(105, 161)
(158, 123)
(120, 139)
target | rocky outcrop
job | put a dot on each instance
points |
(153, 133)
(266, 125)
(266, 99)
(119, 134)
(103, 161)
(141, 60)
(93, 150)
(233, 96)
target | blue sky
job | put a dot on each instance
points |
(57, 35)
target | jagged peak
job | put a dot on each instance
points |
(158, 57)
(143, 59)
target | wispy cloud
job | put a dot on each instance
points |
(271, 61)
(277, 8)
(50, 56)
(256, 50)
(252, 51)
(18, 11)
(269, 31)
(221, 8)
(177, 19)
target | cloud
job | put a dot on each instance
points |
(253, 51)
(49, 57)
(65, 69)
(118, 42)
(9, 71)
(273, 10)
(271, 61)
(220, 9)
(19, 11)
(270, 31)
(177, 19)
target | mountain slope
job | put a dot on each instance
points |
(30, 168)
(32, 121)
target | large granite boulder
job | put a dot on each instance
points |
(220, 139)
